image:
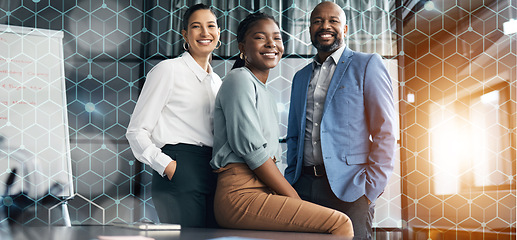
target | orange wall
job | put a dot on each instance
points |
(449, 55)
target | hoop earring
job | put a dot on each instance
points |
(220, 43)
(185, 46)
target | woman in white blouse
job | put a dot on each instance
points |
(171, 127)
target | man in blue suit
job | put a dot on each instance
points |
(340, 137)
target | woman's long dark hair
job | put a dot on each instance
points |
(243, 28)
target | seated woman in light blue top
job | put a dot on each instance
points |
(251, 192)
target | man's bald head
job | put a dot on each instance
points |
(330, 5)
(327, 28)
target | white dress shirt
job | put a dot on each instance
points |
(175, 106)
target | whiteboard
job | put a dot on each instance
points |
(33, 113)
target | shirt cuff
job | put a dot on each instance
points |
(161, 163)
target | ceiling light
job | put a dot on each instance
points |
(429, 6)
(510, 26)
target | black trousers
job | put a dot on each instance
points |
(188, 198)
(317, 190)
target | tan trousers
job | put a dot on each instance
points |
(243, 201)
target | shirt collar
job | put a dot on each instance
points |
(196, 69)
(334, 56)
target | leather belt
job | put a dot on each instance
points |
(315, 170)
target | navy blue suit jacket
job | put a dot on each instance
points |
(357, 127)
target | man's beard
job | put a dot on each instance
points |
(327, 48)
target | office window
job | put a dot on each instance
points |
(492, 158)
(371, 26)
(471, 141)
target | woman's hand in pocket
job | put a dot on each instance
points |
(170, 169)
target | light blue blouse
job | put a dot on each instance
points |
(246, 126)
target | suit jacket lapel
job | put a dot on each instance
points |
(307, 75)
(338, 76)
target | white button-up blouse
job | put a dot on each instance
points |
(175, 106)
